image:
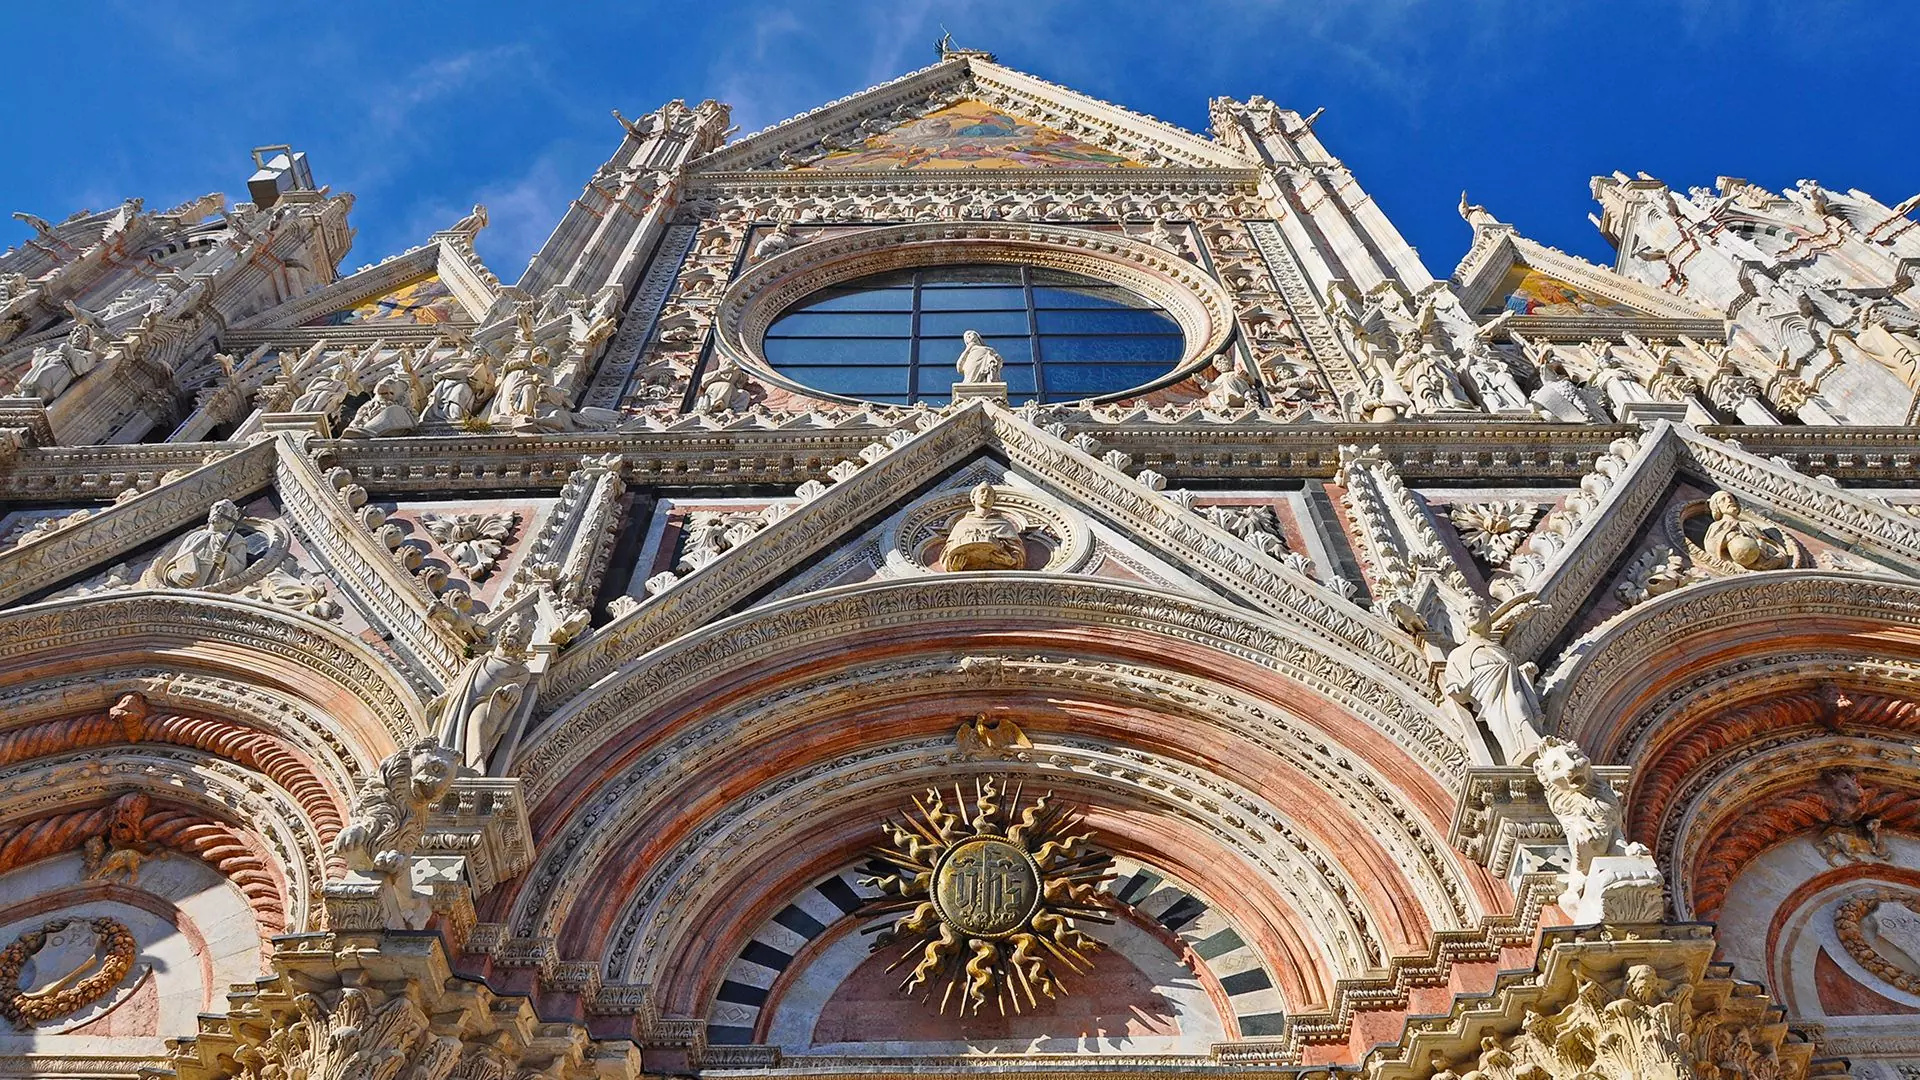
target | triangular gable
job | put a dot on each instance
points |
(342, 543)
(416, 295)
(1587, 562)
(1548, 295)
(971, 134)
(827, 516)
(424, 301)
(967, 112)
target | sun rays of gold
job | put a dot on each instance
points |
(987, 892)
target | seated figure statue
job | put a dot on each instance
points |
(984, 538)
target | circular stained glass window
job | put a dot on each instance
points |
(894, 337)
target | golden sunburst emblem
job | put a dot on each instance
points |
(989, 892)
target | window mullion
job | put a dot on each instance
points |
(913, 344)
(1033, 335)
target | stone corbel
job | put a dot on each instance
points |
(1502, 821)
(1605, 1005)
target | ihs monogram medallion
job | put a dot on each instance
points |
(989, 895)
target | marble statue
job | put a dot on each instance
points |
(721, 388)
(1482, 674)
(527, 399)
(390, 411)
(54, 368)
(985, 537)
(458, 391)
(389, 816)
(475, 712)
(978, 361)
(208, 555)
(1744, 538)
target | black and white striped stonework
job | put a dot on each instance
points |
(1257, 1007)
(736, 1007)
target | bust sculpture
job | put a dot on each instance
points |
(979, 362)
(1744, 539)
(985, 537)
(210, 554)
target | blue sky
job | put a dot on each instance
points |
(424, 109)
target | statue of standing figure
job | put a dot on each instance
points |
(474, 714)
(979, 362)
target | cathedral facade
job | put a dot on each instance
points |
(970, 580)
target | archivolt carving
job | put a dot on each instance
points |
(209, 785)
(683, 879)
(1627, 656)
(1197, 302)
(129, 721)
(136, 822)
(217, 633)
(582, 726)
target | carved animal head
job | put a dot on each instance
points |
(1563, 766)
(431, 768)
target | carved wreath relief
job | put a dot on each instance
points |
(100, 970)
(990, 896)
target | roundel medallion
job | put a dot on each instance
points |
(984, 893)
(986, 887)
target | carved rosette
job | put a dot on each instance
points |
(987, 893)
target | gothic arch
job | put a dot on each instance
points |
(1622, 687)
(690, 801)
(247, 661)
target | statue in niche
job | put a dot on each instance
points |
(1432, 385)
(721, 388)
(979, 362)
(392, 409)
(985, 537)
(208, 555)
(1558, 398)
(54, 368)
(1494, 379)
(527, 399)
(1231, 389)
(1744, 538)
(473, 715)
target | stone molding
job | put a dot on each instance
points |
(1198, 303)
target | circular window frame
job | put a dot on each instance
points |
(1198, 304)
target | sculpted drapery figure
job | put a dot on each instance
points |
(978, 361)
(458, 391)
(56, 367)
(210, 554)
(721, 387)
(1481, 673)
(473, 715)
(390, 411)
(1743, 538)
(526, 400)
(985, 537)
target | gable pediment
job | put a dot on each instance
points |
(1526, 288)
(418, 295)
(1656, 494)
(968, 113)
